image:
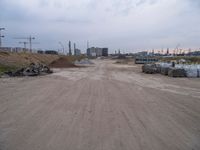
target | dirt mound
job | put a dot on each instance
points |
(24, 59)
(62, 63)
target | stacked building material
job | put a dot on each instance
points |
(149, 68)
(173, 70)
(158, 67)
(164, 70)
(176, 72)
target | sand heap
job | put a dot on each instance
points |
(62, 63)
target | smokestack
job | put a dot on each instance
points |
(70, 50)
(75, 49)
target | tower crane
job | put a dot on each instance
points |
(30, 38)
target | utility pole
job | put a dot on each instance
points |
(30, 41)
(70, 50)
(1, 36)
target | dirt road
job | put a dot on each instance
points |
(104, 107)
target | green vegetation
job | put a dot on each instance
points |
(4, 68)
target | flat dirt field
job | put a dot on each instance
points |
(103, 107)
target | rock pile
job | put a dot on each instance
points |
(32, 70)
(173, 70)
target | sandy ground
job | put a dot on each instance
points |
(103, 107)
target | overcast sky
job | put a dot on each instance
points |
(129, 25)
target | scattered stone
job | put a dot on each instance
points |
(31, 70)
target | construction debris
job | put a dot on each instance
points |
(173, 70)
(149, 68)
(164, 70)
(176, 72)
(32, 70)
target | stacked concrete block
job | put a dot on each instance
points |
(149, 68)
(176, 72)
(164, 70)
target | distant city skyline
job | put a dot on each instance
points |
(128, 25)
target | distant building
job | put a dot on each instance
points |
(91, 52)
(97, 52)
(40, 52)
(51, 52)
(195, 53)
(144, 53)
(13, 49)
(17, 49)
(77, 52)
(7, 49)
(145, 60)
(105, 52)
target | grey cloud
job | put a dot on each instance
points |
(140, 2)
(114, 23)
(13, 13)
(72, 20)
(44, 3)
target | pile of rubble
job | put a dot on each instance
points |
(173, 70)
(176, 72)
(150, 68)
(32, 70)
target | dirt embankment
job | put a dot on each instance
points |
(22, 59)
(12, 61)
